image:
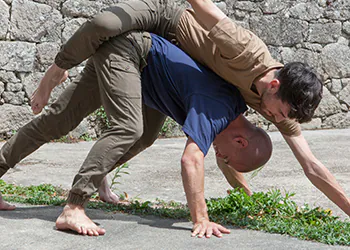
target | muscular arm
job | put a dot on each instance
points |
(317, 173)
(207, 12)
(192, 171)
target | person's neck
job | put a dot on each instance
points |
(262, 82)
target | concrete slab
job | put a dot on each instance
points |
(156, 174)
(32, 227)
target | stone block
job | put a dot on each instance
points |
(35, 22)
(306, 11)
(344, 95)
(14, 98)
(14, 87)
(17, 56)
(328, 106)
(8, 77)
(278, 31)
(335, 60)
(341, 120)
(315, 123)
(2, 88)
(14, 117)
(4, 19)
(81, 8)
(324, 33)
(46, 53)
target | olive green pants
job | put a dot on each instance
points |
(111, 78)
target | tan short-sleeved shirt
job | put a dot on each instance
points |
(235, 54)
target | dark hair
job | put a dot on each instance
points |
(301, 87)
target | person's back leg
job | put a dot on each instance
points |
(117, 65)
(78, 100)
(152, 123)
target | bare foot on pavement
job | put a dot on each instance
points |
(74, 218)
(5, 206)
(106, 193)
(53, 77)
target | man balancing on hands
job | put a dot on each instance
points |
(209, 109)
(286, 95)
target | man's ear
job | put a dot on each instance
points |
(241, 142)
(274, 86)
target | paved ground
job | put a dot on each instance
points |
(156, 174)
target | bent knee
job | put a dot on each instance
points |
(106, 24)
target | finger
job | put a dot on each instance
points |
(202, 232)
(217, 232)
(223, 229)
(209, 232)
(195, 230)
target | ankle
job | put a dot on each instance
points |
(73, 207)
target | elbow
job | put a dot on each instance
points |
(313, 169)
(191, 163)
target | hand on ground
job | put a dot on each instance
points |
(207, 228)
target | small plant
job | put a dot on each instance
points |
(102, 117)
(66, 139)
(170, 128)
(119, 170)
(86, 137)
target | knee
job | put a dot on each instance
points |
(138, 132)
(107, 24)
(131, 132)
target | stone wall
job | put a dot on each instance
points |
(315, 31)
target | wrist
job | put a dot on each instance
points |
(200, 217)
(57, 70)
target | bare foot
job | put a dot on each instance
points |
(106, 193)
(53, 77)
(5, 206)
(74, 218)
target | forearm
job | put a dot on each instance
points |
(207, 12)
(233, 177)
(320, 176)
(193, 181)
(317, 173)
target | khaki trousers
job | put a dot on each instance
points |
(111, 78)
(101, 83)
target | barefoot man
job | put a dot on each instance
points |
(209, 109)
(276, 91)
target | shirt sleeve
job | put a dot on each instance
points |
(206, 118)
(231, 39)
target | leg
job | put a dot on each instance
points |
(152, 124)
(117, 67)
(157, 16)
(78, 100)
